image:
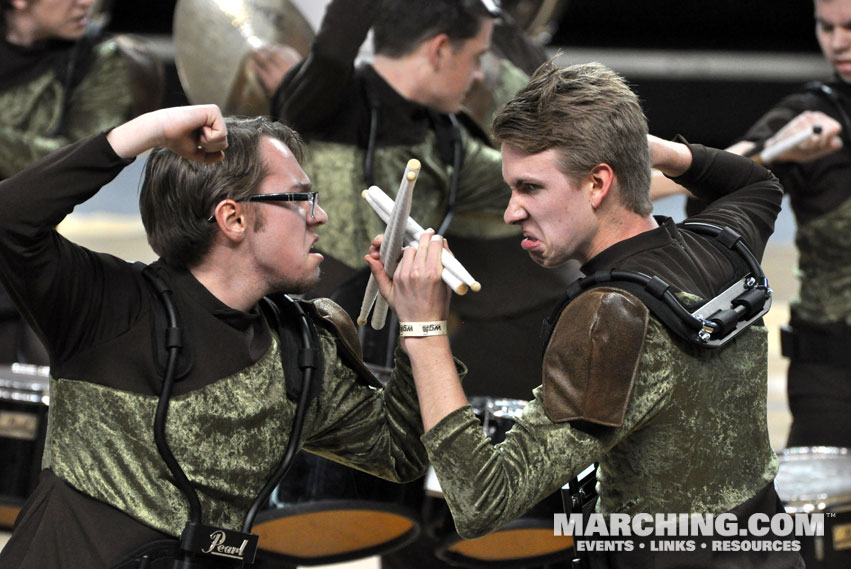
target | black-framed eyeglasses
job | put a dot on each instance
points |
(309, 197)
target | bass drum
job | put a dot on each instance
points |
(817, 480)
(324, 512)
(24, 397)
(525, 542)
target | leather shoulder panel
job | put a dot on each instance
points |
(338, 321)
(592, 357)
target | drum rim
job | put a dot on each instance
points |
(813, 500)
(811, 451)
(24, 383)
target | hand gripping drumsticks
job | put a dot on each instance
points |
(769, 154)
(454, 274)
(391, 246)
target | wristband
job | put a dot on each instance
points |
(420, 329)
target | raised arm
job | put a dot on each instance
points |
(196, 133)
(59, 286)
(313, 88)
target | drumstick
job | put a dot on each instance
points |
(382, 204)
(769, 154)
(391, 246)
(452, 279)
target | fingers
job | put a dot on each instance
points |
(815, 142)
(385, 285)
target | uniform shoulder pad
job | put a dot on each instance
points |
(338, 321)
(592, 357)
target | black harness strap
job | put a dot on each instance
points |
(201, 546)
(725, 316)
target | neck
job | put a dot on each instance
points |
(20, 30)
(618, 228)
(403, 74)
(230, 287)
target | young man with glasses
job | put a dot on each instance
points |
(233, 217)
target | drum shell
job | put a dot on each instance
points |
(324, 512)
(818, 480)
(24, 394)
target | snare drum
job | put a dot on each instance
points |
(818, 480)
(524, 542)
(24, 396)
(324, 512)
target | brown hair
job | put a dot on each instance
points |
(178, 195)
(590, 116)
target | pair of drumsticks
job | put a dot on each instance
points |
(401, 230)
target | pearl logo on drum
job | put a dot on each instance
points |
(218, 547)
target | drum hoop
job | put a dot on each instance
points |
(24, 383)
(815, 501)
(814, 451)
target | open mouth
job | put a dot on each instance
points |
(529, 241)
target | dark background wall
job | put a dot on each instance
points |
(748, 25)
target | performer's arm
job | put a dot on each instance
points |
(61, 288)
(315, 87)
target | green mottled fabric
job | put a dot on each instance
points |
(824, 264)
(228, 436)
(29, 112)
(694, 439)
(225, 461)
(336, 171)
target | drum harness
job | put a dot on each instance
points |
(201, 546)
(711, 325)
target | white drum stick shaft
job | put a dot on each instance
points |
(769, 154)
(382, 204)
(450, 278)
(394, 236)
(369, 296)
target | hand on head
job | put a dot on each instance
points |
(417, 292)
(194, 132)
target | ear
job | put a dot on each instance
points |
(231, 219)
(436, 49)
(601, 178)
(20, 5)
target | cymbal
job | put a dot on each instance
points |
(212, 42)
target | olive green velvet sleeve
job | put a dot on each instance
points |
(375, 430)
(487, 485)
(675, 452)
